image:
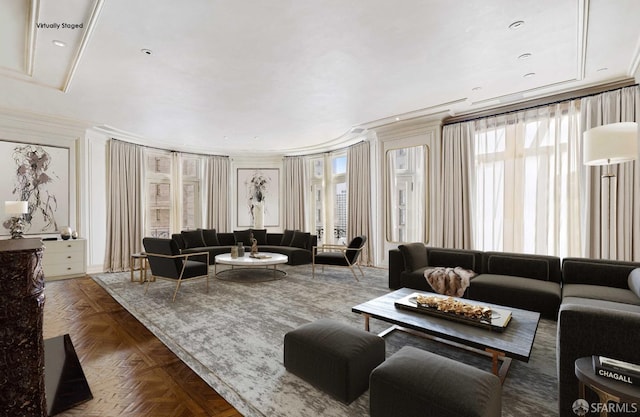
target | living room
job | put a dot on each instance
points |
(248, 114)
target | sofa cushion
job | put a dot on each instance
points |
(465, 258)
(524, 293)
(287, 236)
(545, 268)
(634, 282)
(192, 239)
(599, 292)
(210, 237)
(604, 272)
(300, 239)
(415, 256)
(260, 235)
(243, 236)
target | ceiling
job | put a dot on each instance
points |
(299, 75)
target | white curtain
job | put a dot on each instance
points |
(293, 193)
(457, 190)
(623, 237)
(359, 197)
(124, 205)
(527, 175)
(217, 193)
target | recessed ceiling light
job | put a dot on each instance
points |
(397, 119)
(58, 43)
(525, 56)
(516, 25)
(476, 89)
(529, 75)
(146, 51)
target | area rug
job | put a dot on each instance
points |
(233, 338)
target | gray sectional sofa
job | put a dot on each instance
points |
(297, 245)
(596, 302)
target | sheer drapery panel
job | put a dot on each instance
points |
(622, 238)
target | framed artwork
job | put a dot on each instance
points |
(39, 175)
(258, 186)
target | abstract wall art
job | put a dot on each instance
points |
(258, 186)
(39, 175)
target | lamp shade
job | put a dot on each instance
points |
(610, 144)
(16, 207)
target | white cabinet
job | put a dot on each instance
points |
(64, 258)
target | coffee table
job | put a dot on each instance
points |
(265, 259)
(516, 341)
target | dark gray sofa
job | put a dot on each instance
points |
(530, 282)
(295, 244)
(599, 315)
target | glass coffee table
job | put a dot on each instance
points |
(260, 261)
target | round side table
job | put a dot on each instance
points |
(607, 389)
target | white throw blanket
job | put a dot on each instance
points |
(449, 281)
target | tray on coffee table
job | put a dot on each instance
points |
(498, 322)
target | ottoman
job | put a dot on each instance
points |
(416, 383)
(334, 357)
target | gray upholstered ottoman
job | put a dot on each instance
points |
(416, 383)
(335, 357)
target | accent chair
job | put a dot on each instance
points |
(339, 255)
(166, 261)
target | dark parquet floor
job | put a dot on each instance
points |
(130, 372)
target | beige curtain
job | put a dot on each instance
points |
(124, 205)
(623, 237)
(217, 193)
(457, 173)
(293, 193)
(359, 197)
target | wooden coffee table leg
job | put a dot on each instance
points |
(366, 321)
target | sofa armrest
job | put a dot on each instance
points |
(585, 329)
(396, 266)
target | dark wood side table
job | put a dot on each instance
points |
(607, 389)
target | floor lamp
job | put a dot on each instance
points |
(607, 145)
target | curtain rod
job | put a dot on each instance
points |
(169, 150)
(560, 99)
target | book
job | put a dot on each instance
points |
(615, 369)
(259, 256)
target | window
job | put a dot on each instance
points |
(159, 198)
(173, 193)
(328, 177)
(406, 194)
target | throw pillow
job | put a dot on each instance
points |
(287, 236)
(260, 235)
(210, 237)
(634, 281)
(242, 236)
(449, 281)
(192, 239)
(300, 239)
(415, 256)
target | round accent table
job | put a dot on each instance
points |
(607, 389)
(263, 259)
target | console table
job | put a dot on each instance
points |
(21, 343)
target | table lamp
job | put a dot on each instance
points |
(16, 209)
